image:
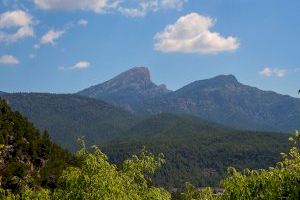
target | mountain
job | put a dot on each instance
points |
(27, 155)
(224, 100)
(197, 151)
(127, 89)
(68, 117)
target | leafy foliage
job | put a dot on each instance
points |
(97, 179)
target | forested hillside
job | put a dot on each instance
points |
(27, 155)
(68, 117)
(32, 167)
(197, 151)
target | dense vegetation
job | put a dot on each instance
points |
(97, 179)
(28, 157)
(32, 167)
(197, 151)
(68, 117)
(279, 182)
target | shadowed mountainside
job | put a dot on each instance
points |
(224, 100)
(127, 89)
(68, 117)
(221, 99)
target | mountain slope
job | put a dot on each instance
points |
(224, 100)
(197, 151)
(27, 155)
(126, 89)
(68, 117)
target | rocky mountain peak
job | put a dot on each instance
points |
(226, 78)
(136, 74)
(128, 87)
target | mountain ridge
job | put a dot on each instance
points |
(222, 99)
(68, 116)
(127, 88)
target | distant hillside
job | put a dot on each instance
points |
(127, 89)
(68, 117)
(221, 99)
(197, 151)
(224, 100)
(27, 156)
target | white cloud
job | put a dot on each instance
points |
(51, 36)
(132, 12)
(268, 72)
(133, 8)
(172, 4)
(192, 34)
(9, 60)
(81, 65)
(82, 22)
(141, 8)
(16, 19)
(97, 6)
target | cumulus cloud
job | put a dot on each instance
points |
(9, 60)
(192, 34)
(81, 65)
(16, 19)
(82, 22)
(276, 72)
(97, 6)
(141, 8)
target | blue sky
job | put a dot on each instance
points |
(63, 46)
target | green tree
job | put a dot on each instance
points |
(97, 179)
